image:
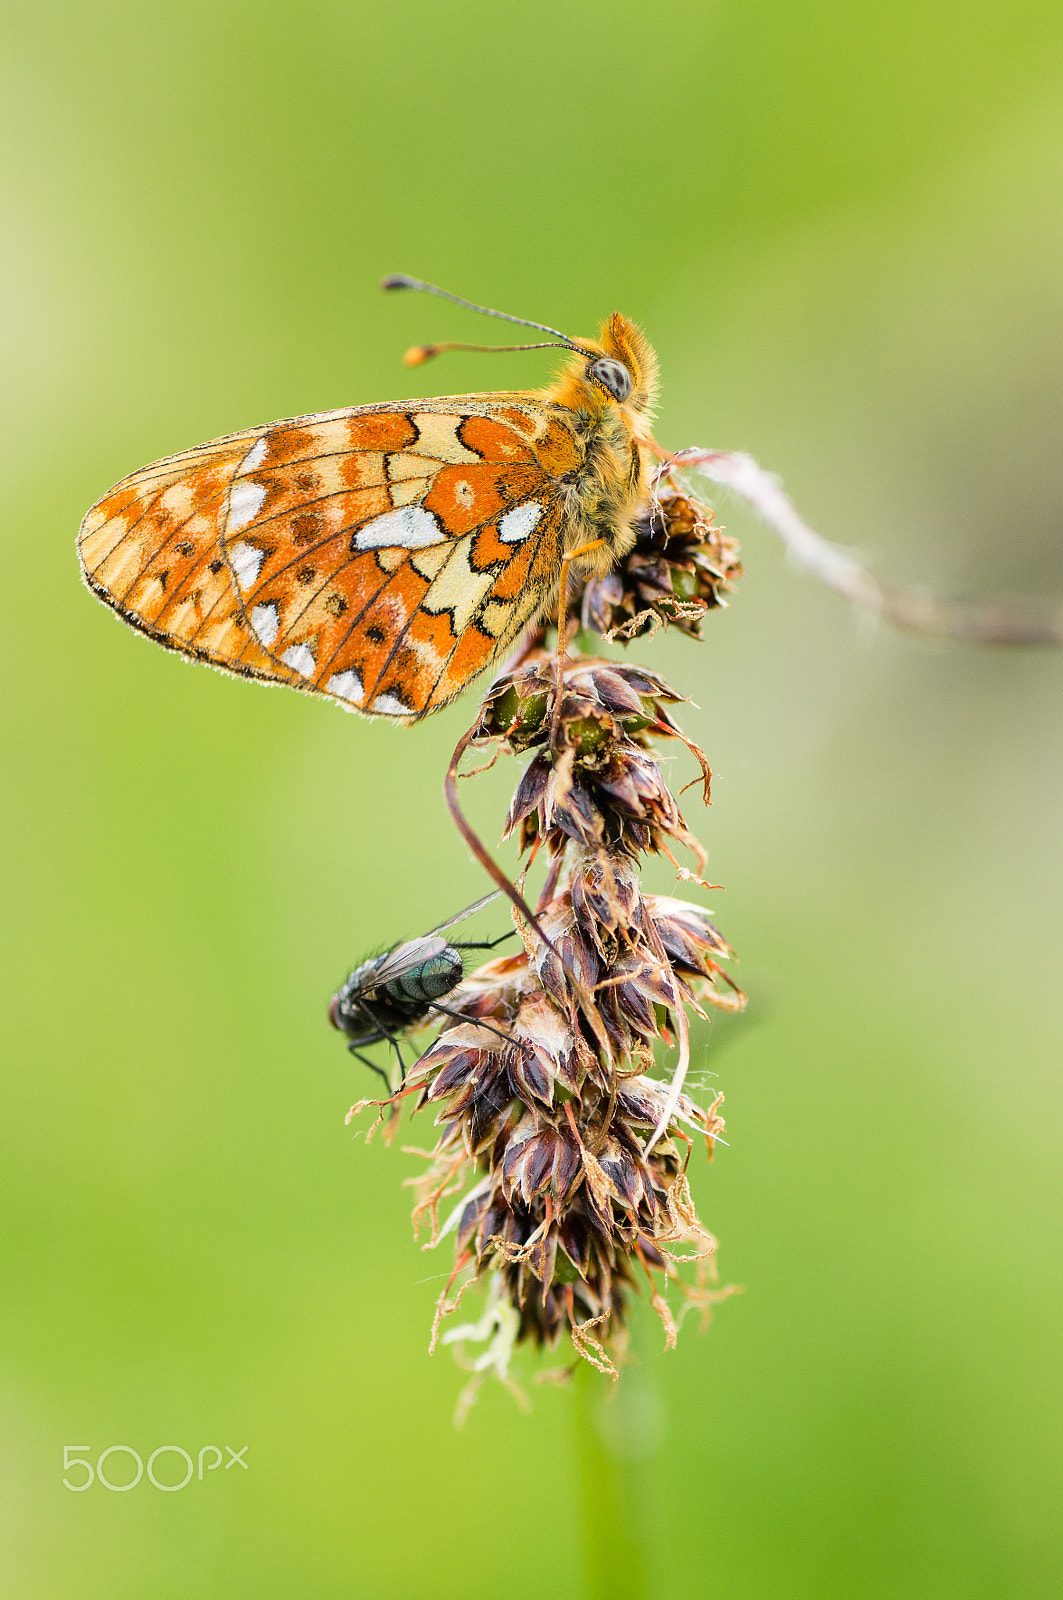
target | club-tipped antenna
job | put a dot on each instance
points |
(419, 353)
(402, 280)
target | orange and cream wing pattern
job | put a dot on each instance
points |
(389, 555)
(150, 549)
(382, 556)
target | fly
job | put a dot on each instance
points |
(390, 994)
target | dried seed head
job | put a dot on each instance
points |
(598, 784)
(680, 566)
(568, 1154)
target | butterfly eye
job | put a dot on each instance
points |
(613, 377)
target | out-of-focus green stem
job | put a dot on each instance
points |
(614, 1559)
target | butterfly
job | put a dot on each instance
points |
(385, 555)
(390, 994)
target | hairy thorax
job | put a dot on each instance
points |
(608, 488)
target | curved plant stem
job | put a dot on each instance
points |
(614, 1558)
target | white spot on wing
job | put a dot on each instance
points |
(386, 705)
(301, 658)
(254, 458)
(244, 503)
(246, 562)
(518, 523)
(347, 685)
(411, 527)
(266, 623)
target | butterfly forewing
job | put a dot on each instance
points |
(382, 556)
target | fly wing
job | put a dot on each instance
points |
(407, 958)
(468, 912)
(412, 952)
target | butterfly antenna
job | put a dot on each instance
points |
(419, 353)
(401, 280)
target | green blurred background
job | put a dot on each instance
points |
(842, 228)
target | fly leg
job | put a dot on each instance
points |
(484, 944)
(385, 1033)
(390, 1037)
(475, 1022)
(371, 1065)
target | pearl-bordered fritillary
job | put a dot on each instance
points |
(384, 555)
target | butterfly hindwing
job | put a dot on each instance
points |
(150, 549)
(382, 556)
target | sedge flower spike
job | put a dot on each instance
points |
(560, 1167)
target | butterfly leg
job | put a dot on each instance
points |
(562, 628)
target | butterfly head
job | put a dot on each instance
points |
(620, 370)
(623, 366)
